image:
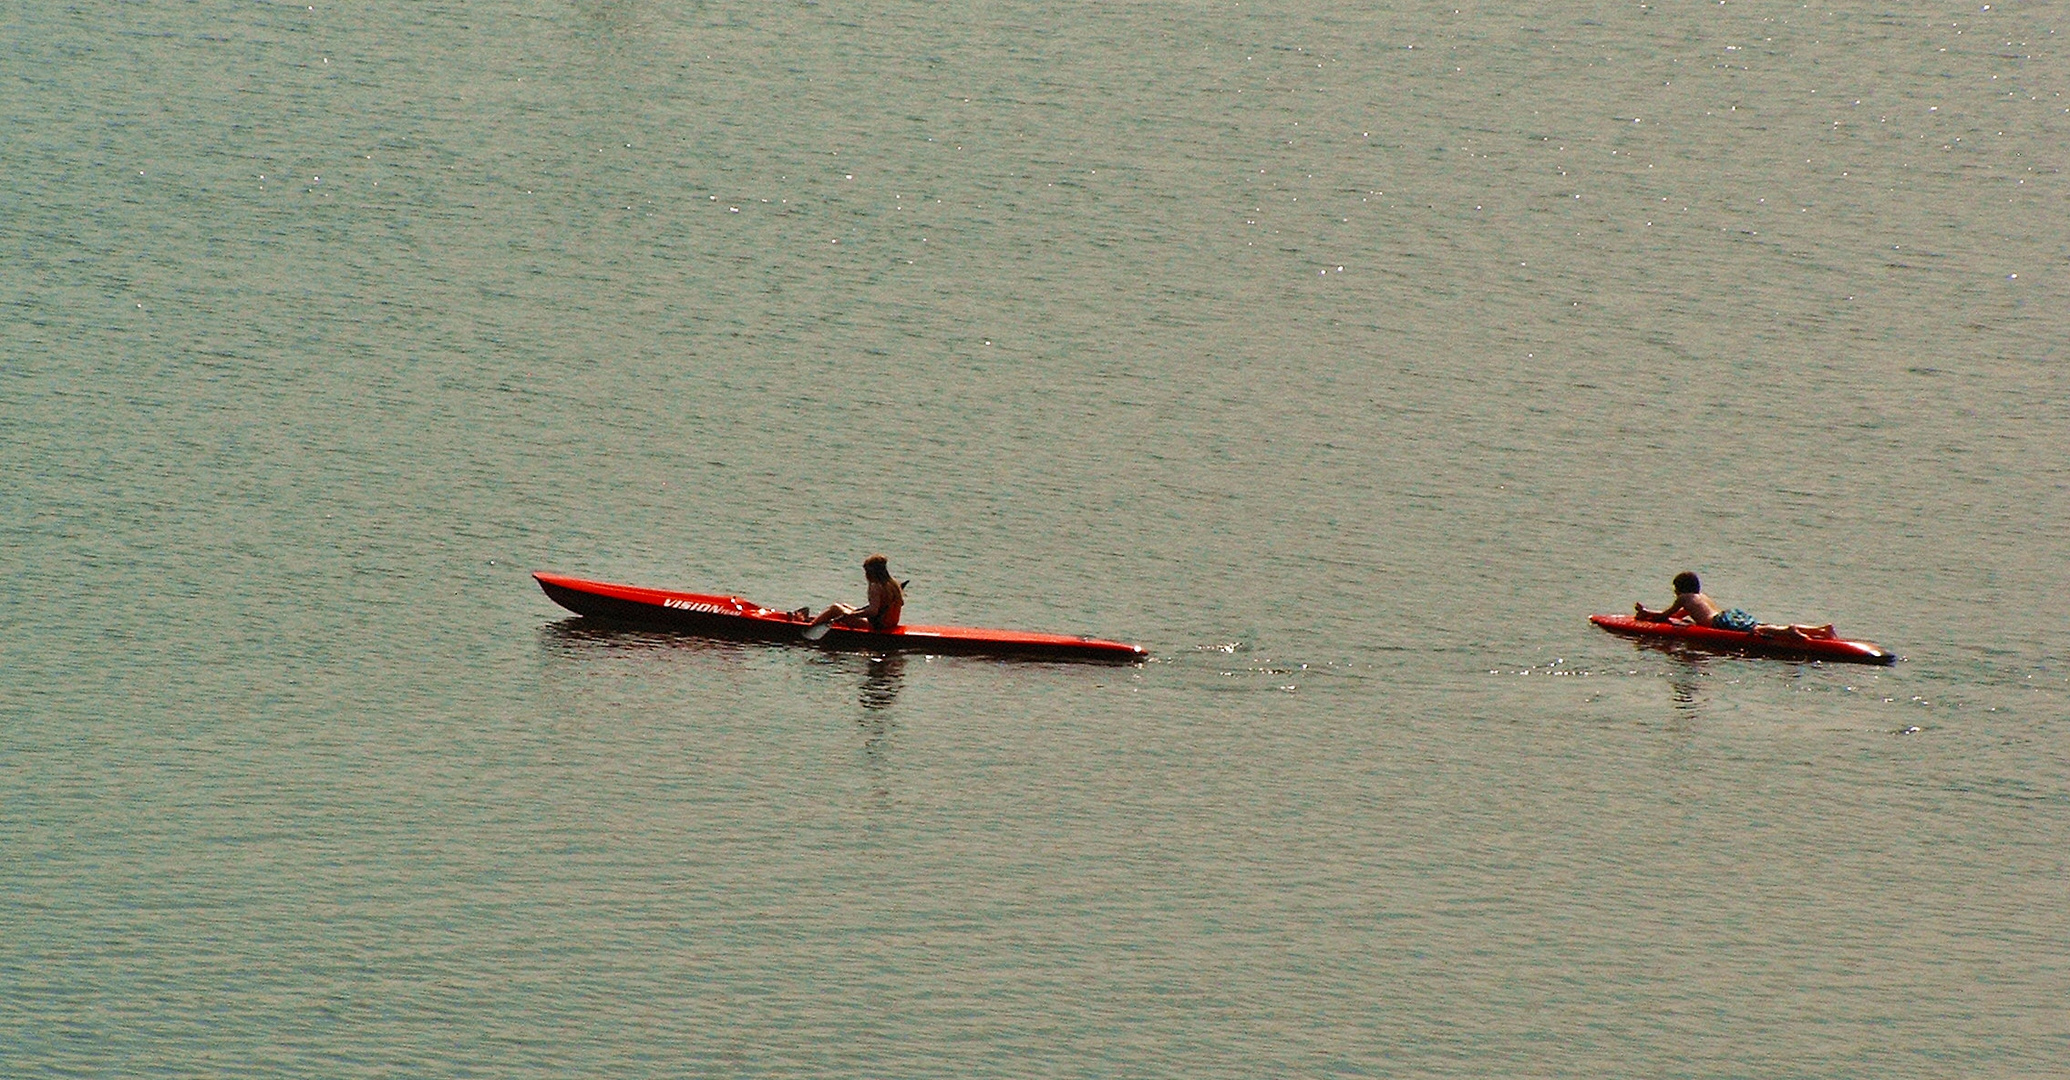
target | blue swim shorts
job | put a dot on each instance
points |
(1735, 619)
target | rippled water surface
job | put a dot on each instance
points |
(1345, 358)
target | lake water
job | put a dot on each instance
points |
(1345, 358)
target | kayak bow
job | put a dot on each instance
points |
(742, 620)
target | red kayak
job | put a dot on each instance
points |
(1690, 635)
(743, 620)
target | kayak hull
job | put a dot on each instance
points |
(1711, 639)
(735, 619)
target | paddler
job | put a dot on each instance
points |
(887, 599)
(1691, 604)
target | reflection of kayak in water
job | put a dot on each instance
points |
(1690, 635)
(742, 620)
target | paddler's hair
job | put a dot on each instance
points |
(877, 568)
(1685, 582)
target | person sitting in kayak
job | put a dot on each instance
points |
(1691, 603)
(887, 599)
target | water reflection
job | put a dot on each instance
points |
(883, 675)
(573, 644)
(876, 732)
(572, 635)
(576, 637)
(1686, 673)
(883, 678)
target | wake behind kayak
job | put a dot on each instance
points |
(736, 619)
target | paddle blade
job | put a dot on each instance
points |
(814, 633)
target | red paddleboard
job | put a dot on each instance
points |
(1690, 635)
(743, 620)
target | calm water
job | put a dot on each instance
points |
(1346, 358)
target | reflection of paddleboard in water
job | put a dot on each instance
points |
(742, 620)
(1690, 635)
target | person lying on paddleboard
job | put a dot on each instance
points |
(1690, 603)
(887, 599)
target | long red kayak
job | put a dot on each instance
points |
(1690, 635)
(743, 620)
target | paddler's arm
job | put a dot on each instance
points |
(1646, 614)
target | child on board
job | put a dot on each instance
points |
(1691, 604)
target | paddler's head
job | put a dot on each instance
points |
(1685, 582)
(877, 568)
